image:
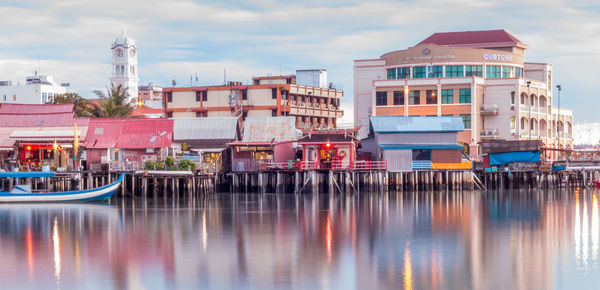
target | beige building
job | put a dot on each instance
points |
(481, 76)
(267, 96)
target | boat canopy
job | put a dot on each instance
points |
(26, 174)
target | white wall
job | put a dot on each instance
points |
(365, 71)
(28, 94)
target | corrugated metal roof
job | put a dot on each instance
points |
(129, 133)
(397, 124)
(43, 120)
(208, 128)
(420, 146)
(471, 37)
(103, 133)
(146, 133)
(33, 109)
(265, 129)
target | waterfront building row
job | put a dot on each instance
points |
(313, 102)
(481, 76)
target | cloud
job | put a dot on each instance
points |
(179, 38)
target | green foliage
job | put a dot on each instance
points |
(185, 146)
(152, 165)
(112, 105)
(187, 165)
(81, 105)
(170, 163)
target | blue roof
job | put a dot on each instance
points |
(416, 124)
(420, 146)
(26, 174)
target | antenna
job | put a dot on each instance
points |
(224, 76)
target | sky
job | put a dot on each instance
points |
(176, 39)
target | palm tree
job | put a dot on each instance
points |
(114, 104)
(81, 106)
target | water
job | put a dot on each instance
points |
(469, 240)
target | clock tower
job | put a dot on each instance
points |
(124, 65)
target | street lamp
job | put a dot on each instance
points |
(530, 100)
(558, 121)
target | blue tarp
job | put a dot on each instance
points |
(558, 168)
(509, 157)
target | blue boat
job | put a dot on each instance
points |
(23, 193)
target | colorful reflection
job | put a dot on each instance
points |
(466, 240)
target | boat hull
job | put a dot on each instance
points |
(96, 194)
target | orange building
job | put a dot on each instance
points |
(481, 76)
(313, 106)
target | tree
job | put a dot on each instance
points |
(114, 104)
(81, 106)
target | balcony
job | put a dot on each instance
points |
(488, 134)
(490, 109)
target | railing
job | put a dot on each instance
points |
(369, 165)
(489, 133)
(421, 164)
(489, 109)
(308, 165)
(278, 165)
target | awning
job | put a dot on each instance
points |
(209, 150)
(420, 146)
(509, 157)
(44, 135)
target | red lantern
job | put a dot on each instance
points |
(28, 147)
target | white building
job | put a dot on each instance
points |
(124, 64)
(36, 90)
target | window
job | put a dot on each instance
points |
(14, 97)
(436, 71)
(4, 97)
(454, 71)
(522, 123)
(404, 72)
(465, 96)
(512, 123)
(466, 120)
(44, 98)
(198, 96)
(414, 97)
(419, 72)
(512, 97)
(273, 94)
(273, 113)
(523, 99)
(381, 98)
(518, 72)
(431, 97)
(398, 98)
(391, 73)
(447, 96)
(198, 114)
(204, 96)
(507, 72)
(244, 94)
(169, 114)
(473, 70)
(170, 97)
(492, 72)
(421, 154)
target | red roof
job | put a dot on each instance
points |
(32, 109)
(146, 110)
(46, 120)
(482, 38)
(129, 133)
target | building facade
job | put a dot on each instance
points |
(38, 89)
(312, 107)
(150, 92)
(124, 64)
(480, 76)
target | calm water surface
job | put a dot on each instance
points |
(468, 240)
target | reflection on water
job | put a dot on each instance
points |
(467, 240)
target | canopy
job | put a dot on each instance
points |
(509, 157)
(26, 174)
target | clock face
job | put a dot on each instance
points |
(119, 52)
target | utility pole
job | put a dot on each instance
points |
(530, 101)
(559, 87)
